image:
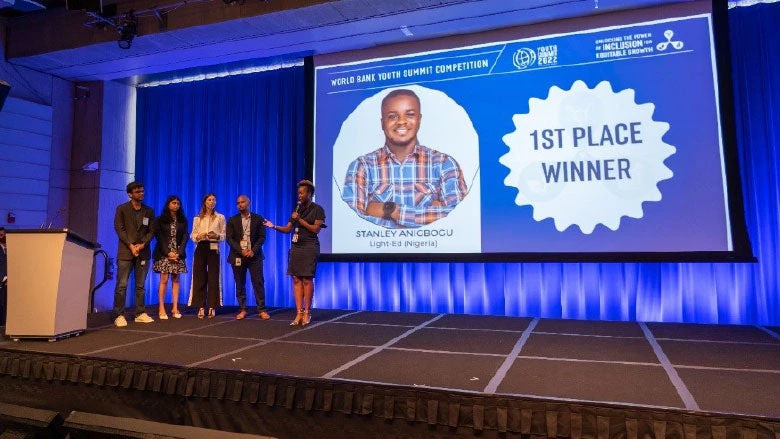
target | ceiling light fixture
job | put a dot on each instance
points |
(128, 30)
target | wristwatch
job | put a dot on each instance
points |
(387, 210)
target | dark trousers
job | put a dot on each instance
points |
(140, 268)
(3, 302)
(255, 267)
(205, 276)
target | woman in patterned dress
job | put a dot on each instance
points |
(170, 229)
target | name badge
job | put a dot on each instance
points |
(295, 238)
(143, 263)
(213, 246)
(238, 262)
(146, 221)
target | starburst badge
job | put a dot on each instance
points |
(587, 156)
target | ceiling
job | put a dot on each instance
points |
(324, 27)
(15, 8)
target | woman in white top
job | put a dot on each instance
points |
(208, 229)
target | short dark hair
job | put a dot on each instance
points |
(308, 185)
(400, 92)
(133, 185)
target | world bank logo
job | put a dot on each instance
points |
(523, 58)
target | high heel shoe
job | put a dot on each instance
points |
(201, 313)
(298, 318)
(306, 318)
(212, 313)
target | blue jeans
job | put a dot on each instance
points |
(140, 269)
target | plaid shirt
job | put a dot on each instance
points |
(424, 177)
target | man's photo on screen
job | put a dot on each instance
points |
(403, 183)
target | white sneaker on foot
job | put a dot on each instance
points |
(120, 322)
(143, 318)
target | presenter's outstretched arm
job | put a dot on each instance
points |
(284, 229)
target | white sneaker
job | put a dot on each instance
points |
(143, 318)
(120, 322)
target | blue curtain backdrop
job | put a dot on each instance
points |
(230, 136)
(246, 134)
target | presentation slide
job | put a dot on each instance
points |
(599, 140)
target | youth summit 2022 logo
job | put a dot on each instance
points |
(587, 156)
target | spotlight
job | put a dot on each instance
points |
(128, 29)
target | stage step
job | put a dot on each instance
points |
(17, 421)
(91, 425)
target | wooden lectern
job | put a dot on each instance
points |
(49, 283)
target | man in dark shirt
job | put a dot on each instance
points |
(133, 226)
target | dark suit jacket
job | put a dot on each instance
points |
(162, 231)
(131, 231)
(3, 264)
(235, 232)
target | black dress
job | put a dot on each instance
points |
(305, 249)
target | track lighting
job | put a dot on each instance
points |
(128, 30)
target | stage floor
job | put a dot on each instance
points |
(697, 368)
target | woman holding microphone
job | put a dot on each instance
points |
(304, 224)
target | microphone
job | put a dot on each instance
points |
(54, 217)
(298, 210)
(59, 212)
